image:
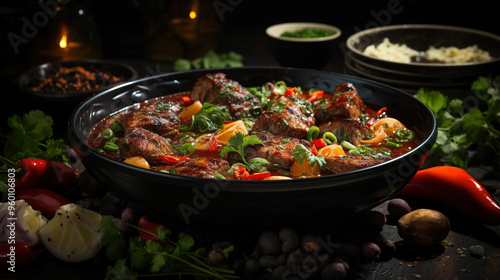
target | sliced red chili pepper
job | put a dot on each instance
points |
(377, 115)
(240, 172)
(37, 172)
(291, 91)
(259, 176)
(319, 143)
(20, 252)
(187, 100)
(315, 95)
(454, 188)
(226, 122)
(213, 145)
(173, 159)
(44, 200)
(148, 230)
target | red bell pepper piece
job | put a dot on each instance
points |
(147, 230)
(187, 100)
(259, 176)
(173, 159)
(240, 172)
(454, 188)
(37, 172)
(44, 200)
(21, 253)
(319, 143)
(315, 95)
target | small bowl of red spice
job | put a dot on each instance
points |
(74, 80)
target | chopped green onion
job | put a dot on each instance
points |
(312, 133)
(107, 133)
(330, 138)
(110, 145)
(404, 135)
(393, 145)
(347, 145)
(115, 127)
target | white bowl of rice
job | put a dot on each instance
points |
(423, 54)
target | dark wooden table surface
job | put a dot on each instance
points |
(447, 261)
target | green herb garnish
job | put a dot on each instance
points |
(210, 118)
(237, 143)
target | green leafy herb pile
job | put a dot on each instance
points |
(210, 60)
(466, 126)
(30, 136)
(134, 258)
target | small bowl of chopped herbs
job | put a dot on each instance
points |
(73, 80)
(303, 44)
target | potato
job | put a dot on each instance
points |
(423, 227)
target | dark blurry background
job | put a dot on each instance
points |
(152, 30)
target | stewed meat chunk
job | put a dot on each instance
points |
(352, 131)
(345, 104)
(161, 118)
(144, 143)
(278, 150)
(289, 116)
(206, 167)
(349, 163)
(218, 90)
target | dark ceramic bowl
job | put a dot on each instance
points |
(420, 37)
(37, 74)
(299, 201)
(313, 53)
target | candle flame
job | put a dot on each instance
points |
(192, 15)
(64, 42)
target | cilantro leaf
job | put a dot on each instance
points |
(435, 100)
(302, 154)
(237, 143)
(30, 137)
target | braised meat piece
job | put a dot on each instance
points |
(345, 104)
(144, 143)
(278, 150)
(349, 163)
(289, 116)
(200, 167)
(353, 131)
(218, 90)
(161, 118)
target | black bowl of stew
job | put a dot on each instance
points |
(256, 203)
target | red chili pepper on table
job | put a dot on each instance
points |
(21, 252)
(144, 224)
(44, 200)
(37, 172)
(454, 188)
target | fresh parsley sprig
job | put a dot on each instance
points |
(302, 154)
(462, 128)
(149, 259)
(237, 143)
(31, 137)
